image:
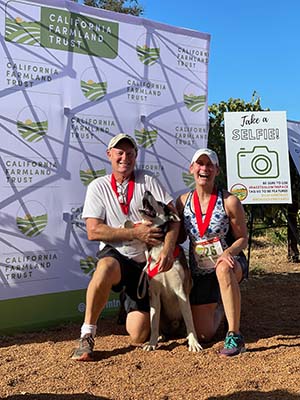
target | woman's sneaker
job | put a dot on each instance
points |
(234, 344)
(85, 349)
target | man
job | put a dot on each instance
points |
(111, 212)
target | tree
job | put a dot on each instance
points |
(122, 6)
(216, 136)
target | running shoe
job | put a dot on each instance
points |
(85, 349)
(234, 344)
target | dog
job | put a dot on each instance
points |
(168, 291)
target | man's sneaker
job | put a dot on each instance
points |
(84, 351)
(234, 344)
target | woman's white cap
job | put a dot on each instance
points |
(209, 153)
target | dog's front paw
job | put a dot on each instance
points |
(149, 347)
(194, 345)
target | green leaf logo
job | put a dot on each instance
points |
(89, 175)
(145, 138)
(194, 103)
(188, 180)
(148, 55)
(19, 31)
(93, 91)
(32, 131)
(88, 265)
(32, 226)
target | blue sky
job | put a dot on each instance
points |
(254, 46)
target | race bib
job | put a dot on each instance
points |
(207, 252)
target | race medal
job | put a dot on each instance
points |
(128, 224)
(207, 252)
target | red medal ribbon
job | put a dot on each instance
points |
(203, 225)
(130, 189)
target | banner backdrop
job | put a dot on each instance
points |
(71, 78)
(294, 142)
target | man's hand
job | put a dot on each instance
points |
(148, 234)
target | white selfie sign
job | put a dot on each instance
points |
(257, 156)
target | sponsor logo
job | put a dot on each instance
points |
(93, 84)
(155, 169)
(32, 124)
(147, 50)
(26, 267)
(61, 30)
(88, 265)
(28, 171)
(188, 180)
(240, 191)
(88, 173)
(24, 74)
(75, 217)
(193, 99)
(144, 90)
(190, 135)
(148, 55)
(191, 57)
(32, 218)
(146, 138)
(86, 128)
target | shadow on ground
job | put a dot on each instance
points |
(52, 396)
(257, 395)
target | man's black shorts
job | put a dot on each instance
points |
(130, 276)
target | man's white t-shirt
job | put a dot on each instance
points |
(101, 202)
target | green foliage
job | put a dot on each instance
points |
(122, 6)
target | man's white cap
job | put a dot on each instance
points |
(121, 136)
(209, 153)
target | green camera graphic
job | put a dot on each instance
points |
(260, 162)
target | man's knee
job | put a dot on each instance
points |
(138, 326)
(108, 269)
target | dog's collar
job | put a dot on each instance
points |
(154, 271)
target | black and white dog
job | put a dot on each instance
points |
(168, 291)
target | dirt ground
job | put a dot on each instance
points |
(37, 365)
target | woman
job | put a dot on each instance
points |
(214, 221)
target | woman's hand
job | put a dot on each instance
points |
(226, 257)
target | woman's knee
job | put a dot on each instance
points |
(206, 335)
(204, 321)
(226, 274)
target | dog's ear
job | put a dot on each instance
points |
(170, 214)
(173, 217)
